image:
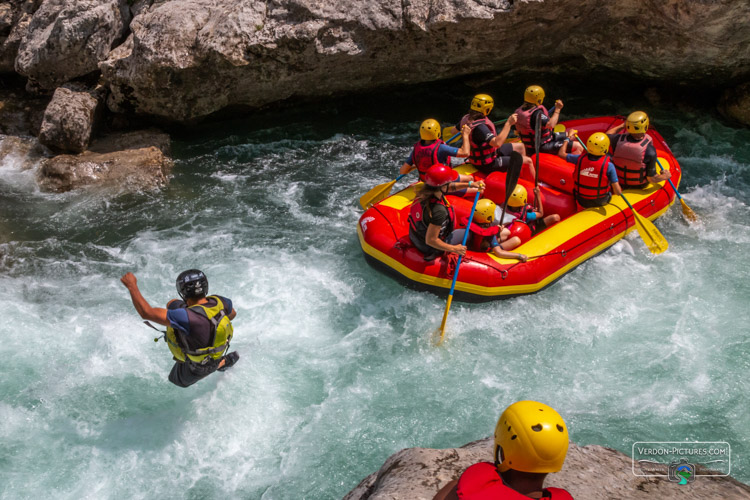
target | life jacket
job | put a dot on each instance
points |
(526, 132)
(628, 159)
(221, 335)
(591, 178)
(418, 227)
(481, 154)
(482, 482)
(481, 237)
(425, 156)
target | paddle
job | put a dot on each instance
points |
(379, 192)
(651, 236)
(537, 146)
(686, 210)
(511, 179)
(455, 276)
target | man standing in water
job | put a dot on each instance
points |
(199, 327)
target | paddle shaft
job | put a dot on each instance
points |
(537, 147)
(455, 274)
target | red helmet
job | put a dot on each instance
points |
(439, 175)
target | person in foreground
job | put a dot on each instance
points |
(199, 327)
(531, 441)
(432, 218)
(633, 153)
(594, 174)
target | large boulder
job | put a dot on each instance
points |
(69, 118)
(132, 162)
(590, 473)
(66, 39)
(186, 59)
(15, 16)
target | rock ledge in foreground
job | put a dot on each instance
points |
(590, 473)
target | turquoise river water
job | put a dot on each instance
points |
(337, 371)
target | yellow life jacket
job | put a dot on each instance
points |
(221, 335)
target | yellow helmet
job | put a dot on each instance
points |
(482, 103)
(518, 197)
(485, 211)
(598, 144)
(637, 122)
(429, 130)
(534, 94)
(530, 437)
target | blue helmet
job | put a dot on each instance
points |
(192, 284)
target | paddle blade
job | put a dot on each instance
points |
(514, 172)
(688, 212)
(651, 236)
(439, 335)
(559, 128)
(449, 136)
(376, 194)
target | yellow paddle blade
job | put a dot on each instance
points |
(559, 128)
(449, 132)
(688, 212)
(439, 334)
(651, 236)
(376, 194)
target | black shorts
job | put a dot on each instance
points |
(187, 373)
(559, 139)
(501, 162)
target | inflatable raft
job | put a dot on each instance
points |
(383, 229)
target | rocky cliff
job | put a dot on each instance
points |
(589, 473)
(185, 59)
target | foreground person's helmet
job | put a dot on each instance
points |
(439, 175)
(637, 122)
(482, 103)
(429, 130)
(192, 283)
(530, 437)
(534, 94)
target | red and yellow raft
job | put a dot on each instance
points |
(383, 229)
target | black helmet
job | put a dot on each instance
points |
(192, 283)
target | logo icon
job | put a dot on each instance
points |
(364, 223)
(682, 472)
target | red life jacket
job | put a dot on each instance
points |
(526, 132)
(482, 482)
(425, 156)
(591, 178)
(418, 227)
(481, 154)
(481, 237)
(628, 159)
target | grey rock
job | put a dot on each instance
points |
(65, 39)
(69, 118)
(130, 162)
(186, 59)
(590, 473)
(15, 17)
